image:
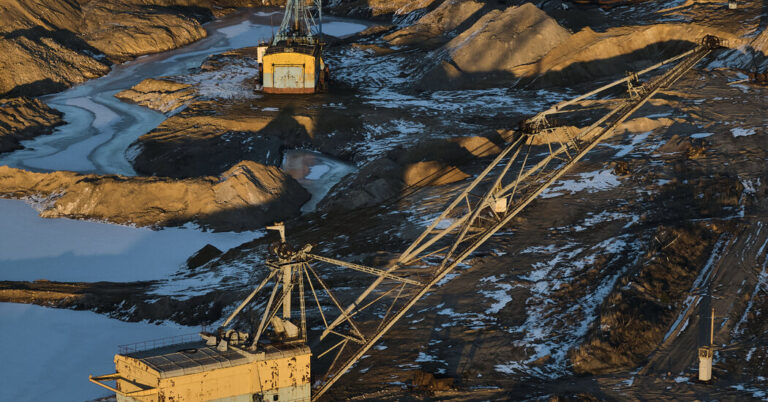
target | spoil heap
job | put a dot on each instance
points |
(247, 196)
(24, 118)
(493, 46)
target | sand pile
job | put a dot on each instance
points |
(49, 46)
(431, 163)
(247, 196)
(37, 61)
(378, 8)
(123, 31)
(498, 42)
(161, 95)
(24, 118)
(181, 146)
(589, 54)
(437, 25)
(760, 43)
(524, 42)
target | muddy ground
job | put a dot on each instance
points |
(594, 292)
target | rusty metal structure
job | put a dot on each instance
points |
(535, 158)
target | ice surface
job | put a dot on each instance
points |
(70, 250)
(380, 139)
(636, 139)
(599, 218)
(49, 353)
(102, 115)
(742, 132)
(342, 29)
(236, 80)
(759, 393)
(236, 30)
(316, 172)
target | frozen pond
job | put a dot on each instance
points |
(68, 250)
(49, 353)
(318, 173)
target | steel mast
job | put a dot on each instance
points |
(301, 16)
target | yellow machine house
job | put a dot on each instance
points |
(293, 62)
(204, 371)
(297, 68)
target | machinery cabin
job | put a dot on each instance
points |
(205, 371)
(293, 63)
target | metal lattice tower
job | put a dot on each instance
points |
(302, 21)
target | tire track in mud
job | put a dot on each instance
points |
(727, 274)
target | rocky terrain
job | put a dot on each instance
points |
(593, 293)
(163, 96)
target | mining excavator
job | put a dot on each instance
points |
(273, 361)
(293, 62)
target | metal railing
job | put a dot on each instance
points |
(158, 343)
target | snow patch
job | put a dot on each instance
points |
(742, 132)
(600, 180)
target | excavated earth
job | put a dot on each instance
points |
(245, 196)
(592, 293)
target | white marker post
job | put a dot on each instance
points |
(706, 353)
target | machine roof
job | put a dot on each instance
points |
(196, 357)
(189, 358)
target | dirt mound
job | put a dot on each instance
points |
(760, 43)
(42, 62)
(202, 256)
(49, 46)
(431, 382)
(493, 46)
(437, 24)
(181, 146)
(379, 8)
(635, 317)
(123, 31)
(589, 54)
(431, 173)
(161, 95)
(24, 118)
(431, 163)
(247, 196)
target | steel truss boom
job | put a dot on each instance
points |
(506, 186)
